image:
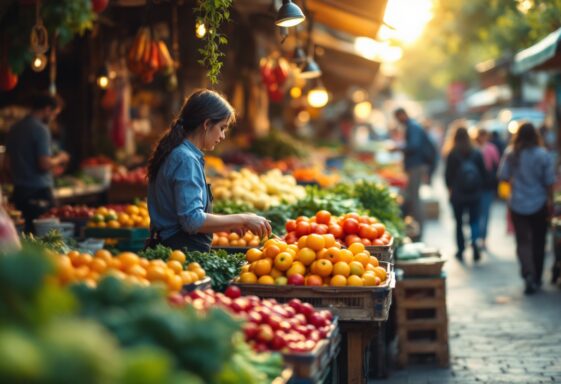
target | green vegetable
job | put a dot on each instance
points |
(227, 207)
(222, 267)
(158, 252)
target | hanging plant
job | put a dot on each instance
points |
(212, 14)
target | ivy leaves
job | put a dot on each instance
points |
(212, 13)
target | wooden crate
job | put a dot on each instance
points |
(348, 303)
(423, 266)
(422, 320)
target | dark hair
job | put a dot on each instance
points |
(200, 106)
(525, 137)
(462, 141)
(399, 111)
(42, 100)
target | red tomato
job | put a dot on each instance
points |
(363, 219)
(350, 239)
(336, 230)
(321, 229)
(303, 228)
(290, 225)
(367, 231)
(291, 238)
(302, 218)
(366, 242)
(380, 228)
(350, 226)
(313, 227)
(377, 242)
(352, 215)
(323, 217)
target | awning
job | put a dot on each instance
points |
(489, 96)
(542, 55)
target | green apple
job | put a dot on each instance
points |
(281, 280)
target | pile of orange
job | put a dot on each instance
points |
(132, 216)
(319, 259)
(225, 239)
(76, 266)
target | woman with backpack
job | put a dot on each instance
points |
(529, 169)
(464, 177)
(491, 159)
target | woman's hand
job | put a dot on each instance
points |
(260, 226)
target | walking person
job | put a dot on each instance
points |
(491, 159)
(529, 169)
(418, 154)
(464, 175)
(179, 198)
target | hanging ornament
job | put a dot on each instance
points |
(52, 69)
(39, 40)
(99, 6)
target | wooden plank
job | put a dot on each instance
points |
(355, 356)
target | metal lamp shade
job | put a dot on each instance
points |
(289, 15)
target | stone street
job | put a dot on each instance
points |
(497, 334)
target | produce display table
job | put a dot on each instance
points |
(87, 194)
(128, 239)
(126, 192)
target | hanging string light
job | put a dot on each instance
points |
(39, 40)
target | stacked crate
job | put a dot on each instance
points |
(422, 319)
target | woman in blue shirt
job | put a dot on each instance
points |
(529, 168)
(179, 198)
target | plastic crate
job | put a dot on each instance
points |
(382, 252)
(348, 303)
(131, 234)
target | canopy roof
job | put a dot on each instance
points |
(542, 55)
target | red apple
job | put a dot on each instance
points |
(250, 330)
(233, 292)
(265, 334)
(296, 279)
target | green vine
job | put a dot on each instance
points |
(212, 13)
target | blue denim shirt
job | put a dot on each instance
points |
(178, 197)
(413, 152)
(529, 179)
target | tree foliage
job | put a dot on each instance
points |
(463, 33)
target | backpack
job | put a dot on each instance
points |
(469, 179)
(429, 153)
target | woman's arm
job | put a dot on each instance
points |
(244, 221)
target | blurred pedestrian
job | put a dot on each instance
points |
(416, 163)
(498, 142)
(530, 170)
(464, 175)
(491, 159)
(30, 159)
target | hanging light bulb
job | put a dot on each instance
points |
(200, 29)
(102, 78)
(362, 110)
(295, 92)
(317, 96)
(289, 15)
(39, 62)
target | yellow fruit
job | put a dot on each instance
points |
(175, 283)
(175, 266)
(193, 266)
(248, 278)
(104, 255)
(132, 210)
(178, 256)
(297, 268)
(99, 265)
(381, 273)
(156, 273)
(276, 273)
(262, 267)
(370, 279)
(338, 281)
(266, 279)
(136, 270)
(355, 281)
(186, 277)
(306, 256)
(128, 259)
(315, 242)
(356, 268)
(200, 273)
(253, 254)
(356, 248)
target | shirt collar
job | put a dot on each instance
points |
(193, 148)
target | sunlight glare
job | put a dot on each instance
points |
(408, 17)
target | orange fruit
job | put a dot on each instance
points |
(322, 254)
(356, 248)
(341, 268)
(345, 255)
(248, 278)
(175, 283)
(370, 279)
(128, 259)
(253, 243)
(362, 258)
(263, 267)
(113, 224)
(314, 280)
(269, 243)
(194, 276)
(276, 273)
(186, 277)
(200, 273)
(373, 260)
(296, 268)
(156, 273)
(271, 251)
(283, 261)
(177, 255)
(332, 254)
(355, 281)
(175, 265)
(324, 267)
(329, 240)
(114, 263)
(144, 263)
(302, 242)
(313, 267)
(338, 281)
(223, 241)
(136, 270)
(103, 254)
(266, 279)
(193, 266)
(306, 256)
(242, 243)
(381, 273)
(233, 236)
(116, 273)
(315, 242)
(245, 268)
(98, 265)
(82, 272)
(356, 268)
(253, 254)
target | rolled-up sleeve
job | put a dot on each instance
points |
(189, 193)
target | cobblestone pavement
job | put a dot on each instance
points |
(497, 334)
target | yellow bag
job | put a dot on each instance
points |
(504, 190)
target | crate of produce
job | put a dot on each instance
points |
(371, 303)
(382, 252)
(127, 239)
(416, 259)
(200, 284)
(313, 366)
